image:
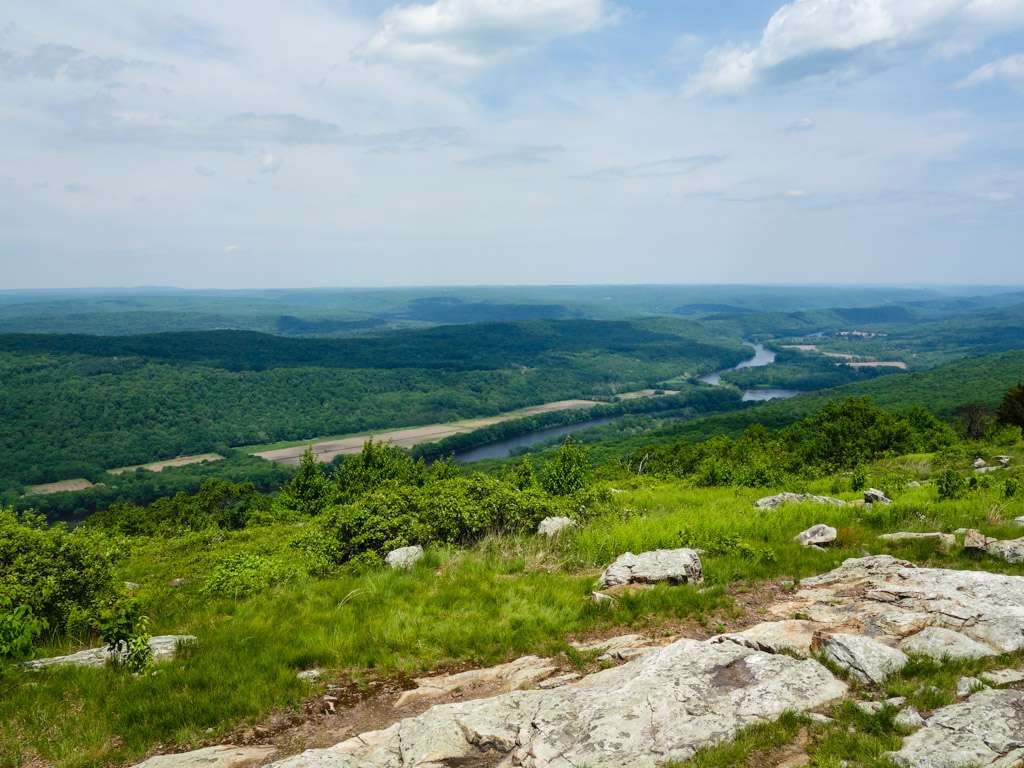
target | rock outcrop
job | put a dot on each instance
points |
(865, 658)
(663, 706)
(516, 675)
(875, 496)
(941, 643)
(404, 558)
(552, 526)
(774, 502)
(224, 756)
(163, 647)
(678, 566)
(985, 730)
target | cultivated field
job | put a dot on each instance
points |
(61, 486)
(160, 466)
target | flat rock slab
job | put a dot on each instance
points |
(945, 540)
(663, 706)
(1000, 677)
(621, 648)
(513, 676)
(793, 636)
(677, 566)
(941, 643)
(865, 658)
(224, 756)
(986, 730)
(890, 599)
(774, 502)
(163, 647)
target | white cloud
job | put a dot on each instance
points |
(1010, 68)
(844, 37)
(232, 248)
(472, 33)
(270, 163)
(998, 197)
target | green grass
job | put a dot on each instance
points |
(503, 598)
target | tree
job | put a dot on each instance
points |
(1011, 411)
(567, 472)
(975, 420)
(309, 491)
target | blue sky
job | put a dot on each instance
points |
(364, 142)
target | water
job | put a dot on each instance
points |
(505, 448)
(761, 358)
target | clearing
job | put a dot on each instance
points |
(160, 466)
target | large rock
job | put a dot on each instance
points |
(163, 647)
(224, 756)
(985, 730)
(679, 566)
(865, 658)
(941, 643)
(875, 496)
(552, 526)
(404, 558)
(661, 707)
(1011, 551)
(513, 676)
(621, 648)
(793, 636)
(774, 502)
(817, 535)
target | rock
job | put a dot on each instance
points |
(980, 463)
(817, 535)
(986, 470)
(224, 756)
(513, 676)
(945, 540)
(404, 558)
(178, 582)
(874, 707)
(552, 526)
(986, 730)
(875, 496)
(620, 648)
(909, 718)
(1004, 461)
(913, 484)
(309, 675)
(163, 647)
(774, 502)
(941, 643)
(678, 566)
(864, 658)
(131, 586)
(659, 708)
(1011, 551)
(965, 686)
(820, 719)
(1001, 677)
(1019, 520)
(976, 540)
(558, 681)
(885, 597)
(793, 636)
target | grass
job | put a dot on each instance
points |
(503, 598)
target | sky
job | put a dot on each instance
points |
(303, 143)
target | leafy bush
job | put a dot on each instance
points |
(244, 574)
(19, 629)
(722, 543)
(951, 485)
(62, 578)
(568, 471)
(1011, 410)
(125, 630)
(1011, 487)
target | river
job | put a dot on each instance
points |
(762, 357)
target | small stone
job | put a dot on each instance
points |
(965, 686)
(817, 535)
(976, 540)
(1003, 460)
(309, 675)
(820, 719)
(1019, 520)
(553, 526)
(1001, 677)
(131, 586)
(601, 597)
(909, 718)
(913, 484)
(980, 463)
(178, 582)
(404, 558)
(875, 496)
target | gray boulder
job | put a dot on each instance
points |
(1004, 461)
(659, 708)
(941, 643)
(965, 686)
(865, 658)
(552, 526)
(875, 496)
(816, 535)
(774, 502)
(404, 558)
(1011, 551)
(945, 540)
(163, 648)
(678, 566)
(986, 730)
(1001, 677)
(980, 463)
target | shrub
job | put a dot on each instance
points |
(568, 471)
(1011, 487)
(63, 578)
(951, 485)
(125, 630)
(19, 629)
(243, 574)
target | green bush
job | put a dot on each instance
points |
(244, 574)
(951, 485)
(125, 630)
(1011, 487)
(19, 629)
(62, 578)
(568, 471)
